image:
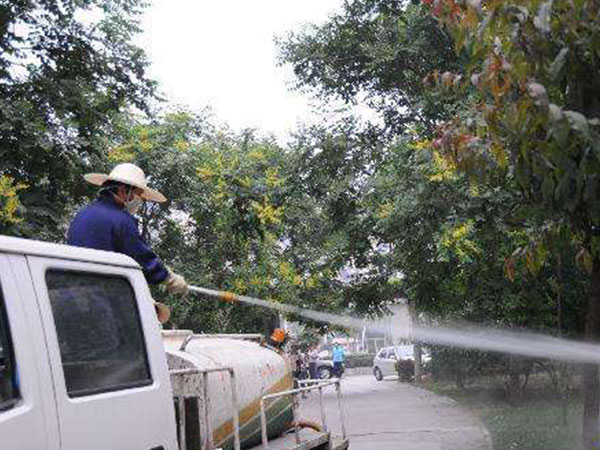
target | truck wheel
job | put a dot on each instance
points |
(378, 374)
(324, 373)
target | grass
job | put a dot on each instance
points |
(541, 421)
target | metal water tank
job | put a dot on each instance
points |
(258, 371)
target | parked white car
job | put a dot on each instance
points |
(384, 363)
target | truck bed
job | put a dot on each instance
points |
(309, 440)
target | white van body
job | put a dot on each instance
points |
(54, 390)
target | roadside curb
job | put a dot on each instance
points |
(355, 371)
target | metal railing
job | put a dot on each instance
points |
(208, 443)
(191, 337)
(316, 385)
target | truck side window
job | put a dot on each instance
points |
(9, 391)
(99, 332)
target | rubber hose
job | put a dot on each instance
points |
(307, 424)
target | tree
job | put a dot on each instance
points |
(237, 219)
(534, 119)
(328, 227)
(375, 52)
(412, 203)
(67, 70)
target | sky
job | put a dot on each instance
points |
(222, 54)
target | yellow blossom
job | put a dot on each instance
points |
(384, 211)
(182, 145)
(246, 181)
(9, 200)
(420, 145)
(457, 239)
(311, 282)
(256, 155)
(205, 173)
(285, 269)
(239, 286)
(444, 169)
(267, 213)
(121, 154)
(145, 145)
(272, 177)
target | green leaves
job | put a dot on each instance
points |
(537, 96)
(64, 82)
(377, 53)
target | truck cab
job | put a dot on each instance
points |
(82, 364)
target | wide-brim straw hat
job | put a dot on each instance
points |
(131, 175)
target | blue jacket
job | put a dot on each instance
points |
(104, 225)
(338, 354)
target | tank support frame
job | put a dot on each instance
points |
(313, 385)
(208, 437)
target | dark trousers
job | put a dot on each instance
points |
(337, 369)
(312, 370)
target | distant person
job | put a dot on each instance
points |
(108, 223)
(301, 365)
(339, 355)
(294, 360)
(313, 357)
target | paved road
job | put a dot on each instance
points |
(389, 415)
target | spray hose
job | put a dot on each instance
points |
(228, 297)
(279, 335)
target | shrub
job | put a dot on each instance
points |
(359, 360)
(405, 369)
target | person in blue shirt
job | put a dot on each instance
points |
(108, 223)
(338, 355)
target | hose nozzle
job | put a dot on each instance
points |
(228, 297)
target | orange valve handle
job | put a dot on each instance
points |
(278, 335)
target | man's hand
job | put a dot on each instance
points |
(176, 284)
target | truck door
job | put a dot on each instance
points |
(27, 413)
(107, 358)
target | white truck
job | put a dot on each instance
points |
(83, 366)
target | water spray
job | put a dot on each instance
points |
(535, 345)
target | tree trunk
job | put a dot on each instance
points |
(414, 320)
(418, 362)
(514, 386)
(590, 381)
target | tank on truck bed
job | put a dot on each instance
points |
(214, 376)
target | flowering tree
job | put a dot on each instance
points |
(531, 120)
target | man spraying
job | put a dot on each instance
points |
(108, 223)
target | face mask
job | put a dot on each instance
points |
(133, 206)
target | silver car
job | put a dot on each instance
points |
(384, 363)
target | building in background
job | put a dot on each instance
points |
(369, 339)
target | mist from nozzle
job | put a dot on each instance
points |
(535, 345)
